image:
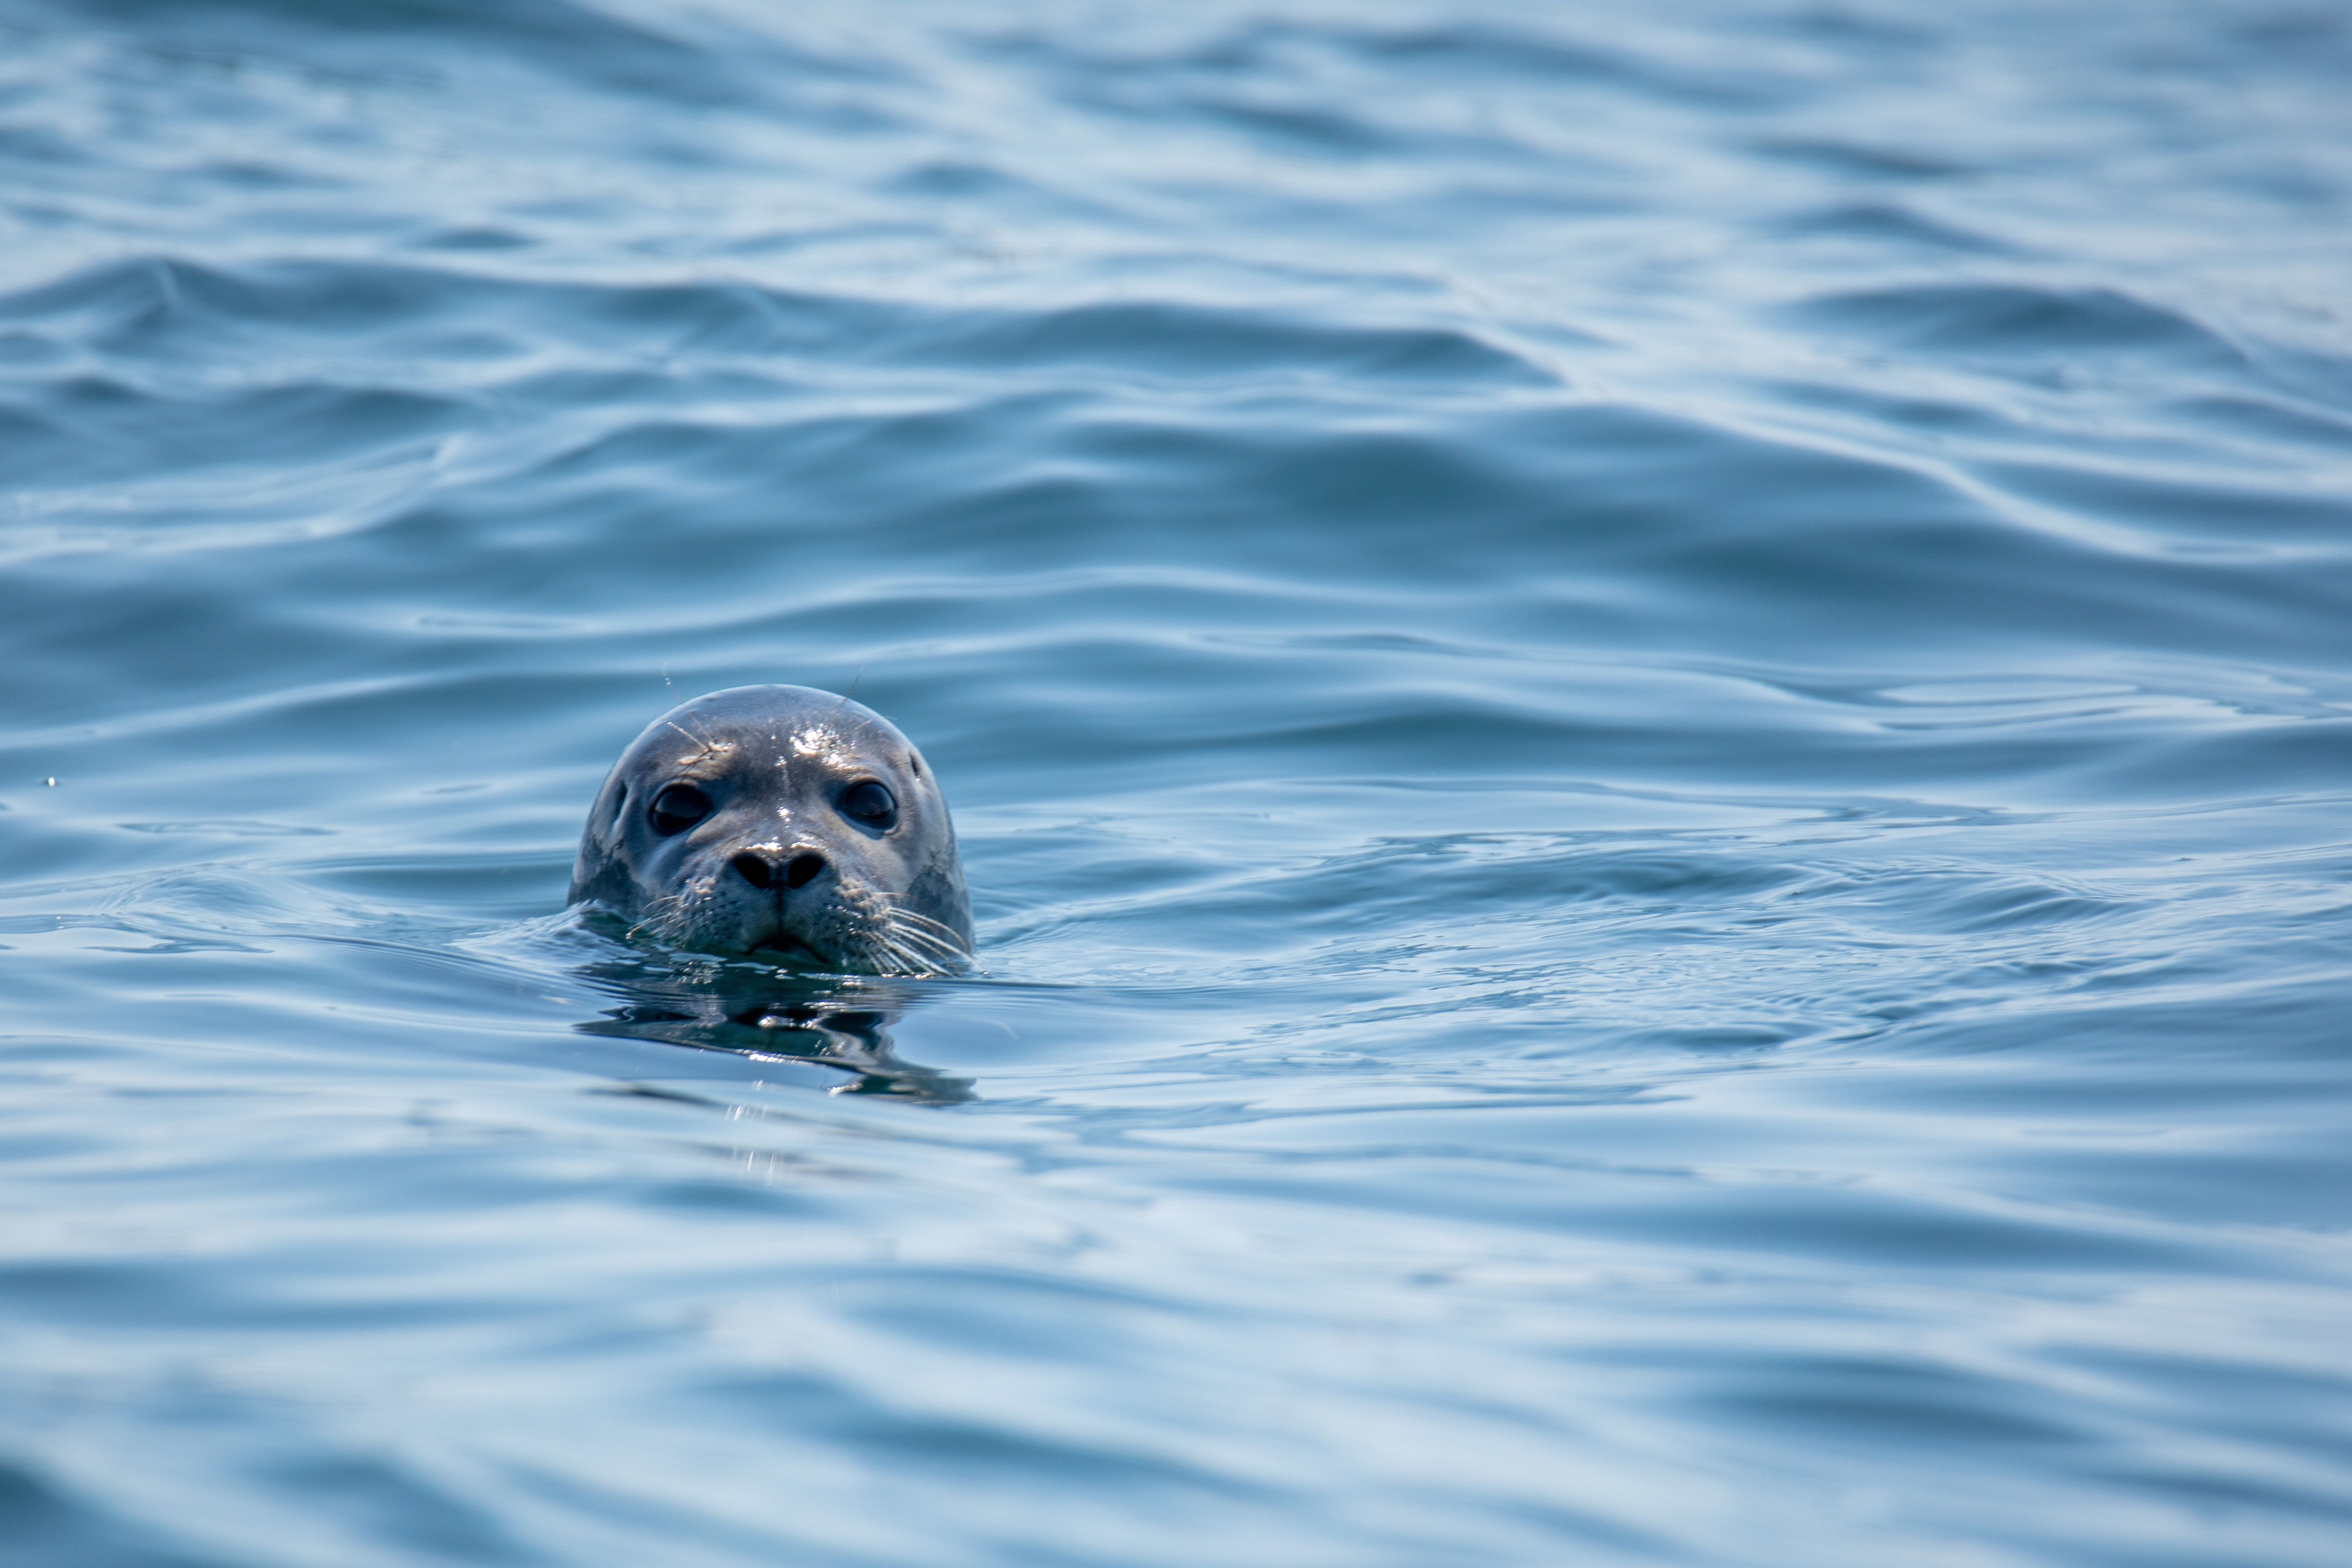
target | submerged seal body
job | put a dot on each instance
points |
(779, 819)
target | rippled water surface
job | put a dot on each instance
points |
(1651, 709)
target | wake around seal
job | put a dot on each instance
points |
(780, 820)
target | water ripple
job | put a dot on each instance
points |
(1649, 717)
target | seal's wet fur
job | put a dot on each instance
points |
(780, 864)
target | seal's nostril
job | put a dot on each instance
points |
(803, 870)
(756, 869)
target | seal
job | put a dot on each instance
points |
(784, 820)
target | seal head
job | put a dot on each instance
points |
(783, 820)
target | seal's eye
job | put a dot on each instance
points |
(677, 808)
(870, 804)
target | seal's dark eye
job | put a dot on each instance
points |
(870, 804)
(677, 808)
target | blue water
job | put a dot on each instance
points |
(1651, 712)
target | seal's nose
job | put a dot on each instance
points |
(764, 873)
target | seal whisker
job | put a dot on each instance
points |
(658, 921)
(901, 913)
(706, 746)
(905, 959)
(944, 939)
(924, 942)
(945, 960)
(887, 958)
(911, 921)
(931, 958)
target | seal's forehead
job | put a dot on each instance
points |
(764, 723)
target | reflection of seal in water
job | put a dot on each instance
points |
(776, 820)
(767, 1016)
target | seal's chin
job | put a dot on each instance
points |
(791, 948)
